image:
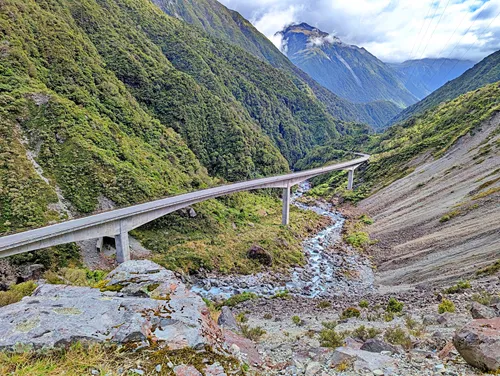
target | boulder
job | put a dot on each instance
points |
(362, 360)
(479, 311)
(144, 304)
(183, 370)
(227, 320)
(479, 343)
(258, 253)
(377, 346)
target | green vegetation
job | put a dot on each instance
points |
(363, 303)
(285, 294)
(489, 270)
(238, 298)
(75, 277)
(296, 320)
(349, 313)
(252, 333)
(81, 359)
(241, 317)
(458, 288)
(483, 298)
(16, 292)
(398, 336)
(358, 239)
(432, 132)
(329, 337)
(364, 333)
(324, 304)
(485, 72)
(446, 306)
(394, 306)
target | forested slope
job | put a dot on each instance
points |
(232, 28)
(485, 72)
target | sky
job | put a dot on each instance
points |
(392, 30)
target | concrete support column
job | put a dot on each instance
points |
(100, 244)
(285, 219)
(122, 245)
(350, 179)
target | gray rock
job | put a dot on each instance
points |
(479, 343)
(184, 370)
(362, 359)
(479, 311)
(258, 253)
(377, 346)
(227, 320)
(57, 315)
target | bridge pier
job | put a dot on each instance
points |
(350, 179)
(122, 245)
(285, 218)
(100, 244)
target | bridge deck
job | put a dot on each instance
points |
(116, 223)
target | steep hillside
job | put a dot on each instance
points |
(348, 71)
(485, 72)
(422, 77)
(230, 26)
(440, 223)
(110, 103)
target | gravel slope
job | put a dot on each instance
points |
(414, 245)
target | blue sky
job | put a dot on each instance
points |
(393, 30)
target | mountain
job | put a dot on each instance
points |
(422, 77)
(485, 72)
(231, 27)
(348, 71)
(118, 101)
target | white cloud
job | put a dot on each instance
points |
(393, 30)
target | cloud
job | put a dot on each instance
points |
(393, 30)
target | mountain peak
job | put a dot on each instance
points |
(314, 36)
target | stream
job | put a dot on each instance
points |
(329, 270)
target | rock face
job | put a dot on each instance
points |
(147, 304)
(479, 343)
(258, 253)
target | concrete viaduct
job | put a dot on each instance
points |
(118, 222)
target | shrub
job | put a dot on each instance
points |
(252, 333)
(398, 336)
(349, 313)
(358, 239)
(388, 316)
(363, 303)
(364, 334)
(489, 270)
(241, 317)
(459, 287)
(16, 292)
(394, 306)
(366, 220)
(281, 295)
(239, 298)
(446, 306)
(268, 316)
(329, 337)
(483, 298)
(296, 320)
(410, 323)
(324, 304)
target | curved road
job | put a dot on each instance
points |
(117, 223)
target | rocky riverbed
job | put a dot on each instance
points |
(332, 267)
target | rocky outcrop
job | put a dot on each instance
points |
(226, 319)
(258, 253)
(479, 343)
(377, 346)
(479, 311)
(141, 304)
